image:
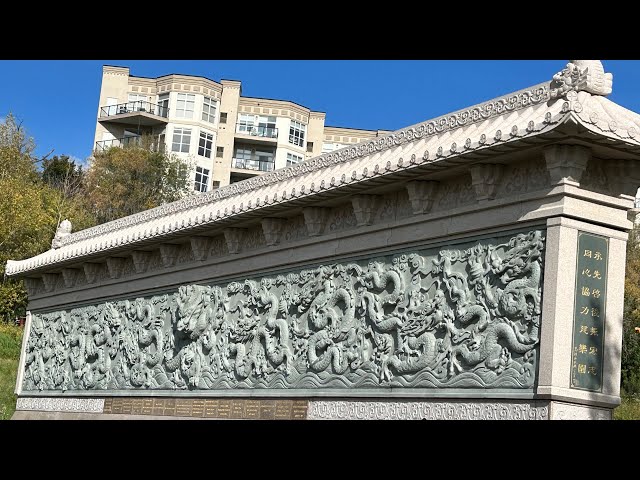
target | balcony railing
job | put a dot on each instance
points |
(137, 106)
(153, 143)
(257, 130)
(253, 164)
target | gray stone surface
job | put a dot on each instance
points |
(573, 411)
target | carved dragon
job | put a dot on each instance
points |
(412, 319)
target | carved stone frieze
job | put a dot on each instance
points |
(218, 246)
(341, 218)
(233, 236)
(462, 317)
(185, 254)
(566, 162)
(115, 266)
(49, 280)
(76, 405)
(32, 285)
(169, 254)
(295, 229)
(422, 194)
(252, 239)
(485, 179)
(364, 208)
(272, 229)
(315, 219)
(69, 275)
(425, 410)
(524, 177)
(91, 271)
(623, 176)
(200, 247)
(140, 260)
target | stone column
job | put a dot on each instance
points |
(556, 334)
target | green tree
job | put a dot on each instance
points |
(123, 181)
(62, 173)
(631, 320)
(30, 211)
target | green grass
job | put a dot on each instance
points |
(10, 343)
(629, 409)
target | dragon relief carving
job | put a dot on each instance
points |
(463, 318)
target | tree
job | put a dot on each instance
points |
(123, 181)
(630, 337)
(62, 173)
(30, 211)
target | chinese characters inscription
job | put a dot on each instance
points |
(589, 312)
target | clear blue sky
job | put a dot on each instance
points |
(58, 100)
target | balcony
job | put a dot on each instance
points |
(135, 113)
(252, 164)
(152, 143)
(262, 133)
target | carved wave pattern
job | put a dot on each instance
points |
(454, 318)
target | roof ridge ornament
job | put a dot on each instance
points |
(63, 230)
(582, 75)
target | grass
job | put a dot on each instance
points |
(629, 409)
(10, 344)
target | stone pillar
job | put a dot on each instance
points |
(558, 311)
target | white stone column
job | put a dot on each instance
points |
(556, 334)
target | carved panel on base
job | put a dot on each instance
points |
(410, 410)
(79, 405)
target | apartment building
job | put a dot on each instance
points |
(224, 136)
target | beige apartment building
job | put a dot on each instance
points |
(224, 136)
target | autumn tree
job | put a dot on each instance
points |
(125, 180)
(30, 210)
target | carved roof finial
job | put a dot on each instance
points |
(63, 230)
(582, 75)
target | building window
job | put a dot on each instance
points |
(296, 133)
(137, 102)
(135, 97)
(205, 145)
(215, 185)
(163, 104)
(181, 140)
(219, 152)
(245, 123)
(202, 179)
(185, 105)
(309, 147)
(254, 158)
(209, 110)
(223, 117)
(293, 159)
(261, 126)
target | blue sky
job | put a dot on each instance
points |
(58, 100)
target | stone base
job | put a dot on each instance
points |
(573, 411)
(271, 409)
